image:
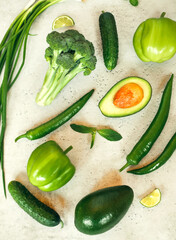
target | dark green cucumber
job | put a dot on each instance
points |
(31, 205)
(109, 38)
(99, 211)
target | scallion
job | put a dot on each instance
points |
(12, 45)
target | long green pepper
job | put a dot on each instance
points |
(57, 121)
(160, 161)
(147, 140)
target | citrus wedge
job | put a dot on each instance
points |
(152, 199)
(62, 21)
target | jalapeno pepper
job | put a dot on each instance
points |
(58, 121)
(49, 168)
(160, 161)
(147, 140)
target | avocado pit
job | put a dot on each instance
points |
(128, 96)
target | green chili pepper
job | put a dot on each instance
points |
(49, 168)
(147, 140)
(160, 161)
(155, 39)
(58, 121)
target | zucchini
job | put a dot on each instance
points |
(109, 37)
(31, 205)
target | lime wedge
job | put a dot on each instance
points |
(152, 199)
(63, 21)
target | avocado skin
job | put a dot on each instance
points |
(108, 109)
(99, 211)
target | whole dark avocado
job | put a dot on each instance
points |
(101, 210)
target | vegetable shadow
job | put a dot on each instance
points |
(131, 73)
(110, 179)
(51, 199)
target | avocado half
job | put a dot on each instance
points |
(107, 106)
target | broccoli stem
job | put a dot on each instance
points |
(63, 81)
(55, 81)
(49, 77)
(51, 81)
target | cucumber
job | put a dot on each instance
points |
(109, 39)
(31, 205)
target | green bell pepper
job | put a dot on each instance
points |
(155, 39)
(49, 168)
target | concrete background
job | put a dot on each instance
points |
(98, 167)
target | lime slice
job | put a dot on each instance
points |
(63, 21)
(152, 199)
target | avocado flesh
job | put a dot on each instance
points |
(107, 106)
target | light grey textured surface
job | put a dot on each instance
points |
(98, 167)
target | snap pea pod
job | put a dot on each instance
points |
(147, 140)
(160, 161)
(57, 121)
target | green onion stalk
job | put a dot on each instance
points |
(14, 44)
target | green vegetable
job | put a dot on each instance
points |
(160, 161)
(99, 211)
(155, 39)
(58, 121)
(13, 43)
(84, 129)
(68, 54)
(109, 134)
(32, 206)
(49, 168)
(109, 36)
(147, 140)
(134, 2)
(126, 97)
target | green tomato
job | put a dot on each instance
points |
(155, 39)
(49, 168)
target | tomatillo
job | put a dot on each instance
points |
(49, 168)
(155, 39)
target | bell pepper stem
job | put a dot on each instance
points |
(68, 149)
(125, 166)
(163, 14)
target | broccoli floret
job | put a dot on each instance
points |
(49, 55)
(68, 54)
(57, 42)
(83, 49)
